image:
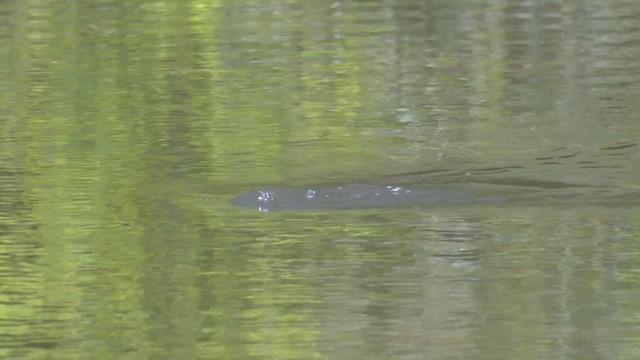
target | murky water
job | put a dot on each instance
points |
(127, 131)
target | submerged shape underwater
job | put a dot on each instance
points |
(356, 196)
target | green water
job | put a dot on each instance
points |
(126, 128)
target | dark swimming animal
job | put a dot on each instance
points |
(475, 185)
(357, 196)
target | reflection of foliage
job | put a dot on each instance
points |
(112, 110)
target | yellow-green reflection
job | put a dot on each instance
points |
(127, 126)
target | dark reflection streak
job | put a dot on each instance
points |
(458, 258)
(600, 167)
(551, 163)
(42, 344)
(568, 156)
(454, 237)
(485, 172)
(545, 158)
(543, 184)
(619, 147)
(490, 170)
(30, 344)
(462, 255)
(498, 168)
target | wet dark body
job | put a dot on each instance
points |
(450, 186)
(358, 196)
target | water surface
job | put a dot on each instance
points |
(127, 128)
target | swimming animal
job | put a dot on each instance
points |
(358, 196)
